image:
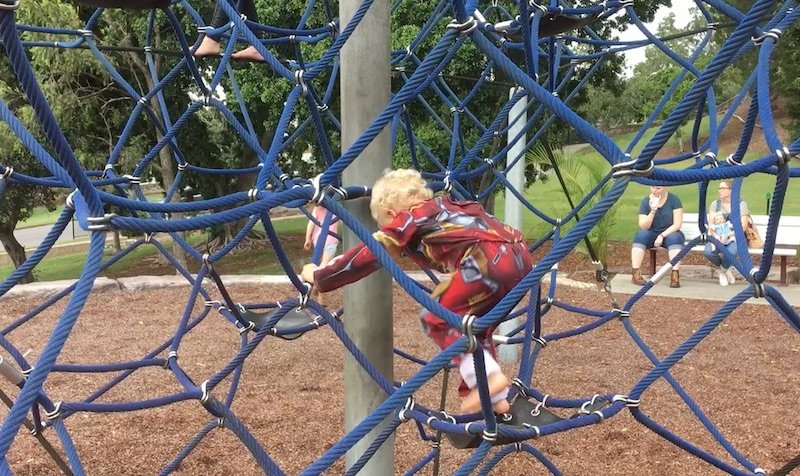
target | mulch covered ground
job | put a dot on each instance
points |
(744, 377)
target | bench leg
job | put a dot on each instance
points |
(783, 271)
(652, 261)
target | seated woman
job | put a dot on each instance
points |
(660, 220)
(716, 255)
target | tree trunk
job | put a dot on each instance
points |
(16, 251)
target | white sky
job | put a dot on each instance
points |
(682, 18)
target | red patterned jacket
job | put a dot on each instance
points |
(435, 234)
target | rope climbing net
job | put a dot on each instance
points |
(550, 51)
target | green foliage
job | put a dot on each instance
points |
(579, 174)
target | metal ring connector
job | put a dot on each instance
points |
(466, 327)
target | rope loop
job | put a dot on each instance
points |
(466, 327)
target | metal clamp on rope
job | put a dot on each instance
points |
(520, 387)
(730, 160)
(758, 288)
(253, 194)
(102, 223)
(624, 169)
(759, 471)
(783, 155)
(712, 26)
(206, 394)
(221, 422)
(629, 402)
(334, 29)
(318, 191)
(9, 5)
(173, 355)
(448, 185)
(305, 295)
(206, 259)
(622, 314)
(713, 157)
(322, 108)
(339, 191)
(148, 237)
(542, 8)
(85, 33)
(250, 326)
(583, 410)
(182, 166)
(464, 28)
(489, 436)
(774, 33)
(409, 405)
(7, 173)
(298, 77)
(132, 179)
(106, 169)
(466, 327)
(540, 340)
(55, 413)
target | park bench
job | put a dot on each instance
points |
(786, 243)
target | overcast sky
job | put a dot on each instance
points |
(682, 18)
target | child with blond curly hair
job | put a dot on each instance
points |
(484, 257)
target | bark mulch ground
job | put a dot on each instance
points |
(744, 377)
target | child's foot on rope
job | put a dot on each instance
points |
(248, 54)
(497, 383)
(208, 47)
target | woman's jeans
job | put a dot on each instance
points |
(717, 257)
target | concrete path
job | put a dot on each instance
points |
(693, 287)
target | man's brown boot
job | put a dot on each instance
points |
(675, 279)
(636, 277)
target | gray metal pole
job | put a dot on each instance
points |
(513, 207)
(365, 91)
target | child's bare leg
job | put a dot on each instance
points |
(498, 384)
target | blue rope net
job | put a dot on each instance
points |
(515, 45)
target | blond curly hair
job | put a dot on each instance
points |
(398, 190)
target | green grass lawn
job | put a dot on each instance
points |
(291, 230)
(43, 216)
